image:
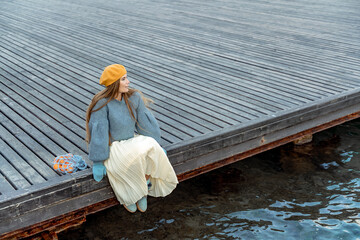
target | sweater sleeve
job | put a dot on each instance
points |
(99, 130)
(146, 122)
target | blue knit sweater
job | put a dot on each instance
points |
(115, 117)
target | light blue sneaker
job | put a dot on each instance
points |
(142, 204)
(131, 208)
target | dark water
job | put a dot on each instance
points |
(292, 192)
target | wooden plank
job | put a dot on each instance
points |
(176, 118)
(82, 142)
(197, 118)
(244, 59)
(188, 127)
(64, 77)
(263, 147)
(31, 143)
(177, 130)
(58, 190)
(21, 166)
(43, 133)
(42, 83)
(22, 195)
(239, 133)
(54, 210)
(209, 158)
(44, 123)
(248, 108)
(161, 118)
(42, 168)
(225, 112)
(225, 39)
(5, 186)
(235, 58)
(300, 21)
(235, 88)
(52, 116)
(224, 6)
(264, 37)
(34, 104)
(68, 134)
(316, 26)
(66, 59)
(199, 107)
(203, 89)
(12, 175)
(230, 112)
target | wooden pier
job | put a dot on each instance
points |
(230, 79)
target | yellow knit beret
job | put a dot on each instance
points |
(111, 74)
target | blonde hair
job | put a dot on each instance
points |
(110, 93)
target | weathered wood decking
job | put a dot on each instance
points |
(227, 77)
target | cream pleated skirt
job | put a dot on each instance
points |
(130, 160)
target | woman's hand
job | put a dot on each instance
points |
(99, 171)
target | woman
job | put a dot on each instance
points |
(136, 164)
